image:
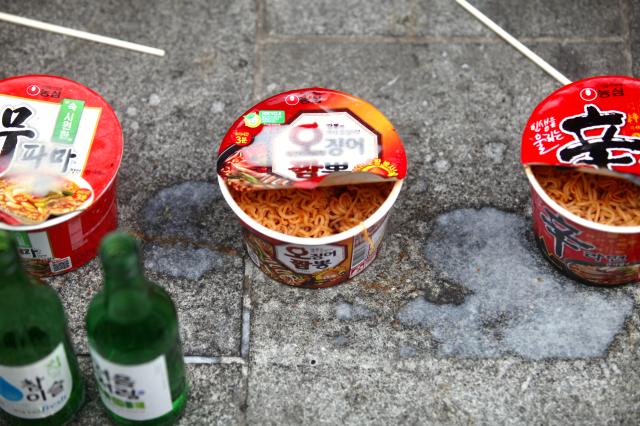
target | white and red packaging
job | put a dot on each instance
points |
(60, 150)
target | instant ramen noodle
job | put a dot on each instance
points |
(601, 199)
(313, 213)
(60, 150)
(312, 175)
(581, 149)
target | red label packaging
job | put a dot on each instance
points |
(305, 139)
(60, 150)
(592, 125)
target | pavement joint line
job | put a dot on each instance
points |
(246, 314)
(425, 40)
(625, 7)
(223, 360)
(260, 38)
(413, 19)
(200, 360)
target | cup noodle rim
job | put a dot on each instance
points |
(573, 217)
(113, 121)
(542, 193)
(311, 241)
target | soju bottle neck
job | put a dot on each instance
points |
(127, 292)
(11, 270)
(121, 263)
(123, 273)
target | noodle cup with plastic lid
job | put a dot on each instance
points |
(60, 150)
(312, 175)
(581, 153)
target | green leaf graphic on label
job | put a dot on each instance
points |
(23, 239)
(68, 121)
(272, 116)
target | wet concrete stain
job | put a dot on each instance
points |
(179, 211)
(182, 261)
(179, 241)
(348, 312)
(515, 302)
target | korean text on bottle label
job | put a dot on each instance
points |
(37, 390)
(135, 392)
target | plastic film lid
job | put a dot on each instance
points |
(592, 124)
(310, 137)
(60, 149)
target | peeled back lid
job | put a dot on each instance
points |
(307, 138)
(590, 124)
(60, 149)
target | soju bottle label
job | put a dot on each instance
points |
(135, 392)
(37, 390)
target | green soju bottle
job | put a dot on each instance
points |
(39, 379)
(134, 341)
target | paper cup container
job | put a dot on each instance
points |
(305, 139)
(60, 152)
(591, 124)
(313, 262)
(584, 250)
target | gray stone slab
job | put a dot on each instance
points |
(339, 355)
(330, 18)
(446, 392)
(209, 308)
(549, 18)
(215, 396)
(443, 18)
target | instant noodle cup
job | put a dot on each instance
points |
(60, 150)
(326, 148)
(581, 151)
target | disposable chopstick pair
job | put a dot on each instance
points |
(515, 43)
(79, 34)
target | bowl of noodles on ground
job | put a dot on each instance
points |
(595, 198)
(587, 223)
(290, 227)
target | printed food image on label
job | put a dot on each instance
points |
(37, 390)
(135, 392)
(44, 147)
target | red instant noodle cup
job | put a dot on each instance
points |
(592, 125)
(310, 138)
(60, 150)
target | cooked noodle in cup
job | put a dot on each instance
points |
(580, 150)
(60, 150)
(312, 175)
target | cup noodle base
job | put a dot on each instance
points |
(64, 243)
(312, 262)
(583, 250)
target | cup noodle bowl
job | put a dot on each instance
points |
(57, 137)
(590, 124)
(350, 142)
